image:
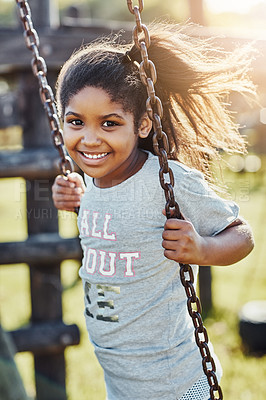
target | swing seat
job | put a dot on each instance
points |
(252, 327)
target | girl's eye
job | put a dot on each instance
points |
(75, 122)
(109, 124)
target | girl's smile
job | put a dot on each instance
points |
(99, 136)
(95, 156)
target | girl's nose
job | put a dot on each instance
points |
(90, 138)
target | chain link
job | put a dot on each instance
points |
(39, 69)
(130, 6)
(154, 110)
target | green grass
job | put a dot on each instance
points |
(244, 375)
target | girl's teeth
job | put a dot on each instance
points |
(95, 156)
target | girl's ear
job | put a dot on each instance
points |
(145, 126)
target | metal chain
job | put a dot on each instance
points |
(161, 147)
(39, 69)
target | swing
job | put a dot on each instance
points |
(154, 110)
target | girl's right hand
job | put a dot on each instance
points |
(68, 191)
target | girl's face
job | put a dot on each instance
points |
(99, 136)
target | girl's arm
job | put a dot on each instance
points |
(68, 191)
(183, 244)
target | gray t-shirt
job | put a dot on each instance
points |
(135, 304)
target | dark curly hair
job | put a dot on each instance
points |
(194, 80)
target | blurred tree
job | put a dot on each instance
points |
(7, 13)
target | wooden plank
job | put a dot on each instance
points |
(39, 163)
(41, 248)
(46, 337)
(56, 46)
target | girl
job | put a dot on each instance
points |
(135, 305)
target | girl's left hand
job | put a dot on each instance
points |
(182, 243)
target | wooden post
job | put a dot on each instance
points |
(42, 218)
(45, 13)
(46, 288)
